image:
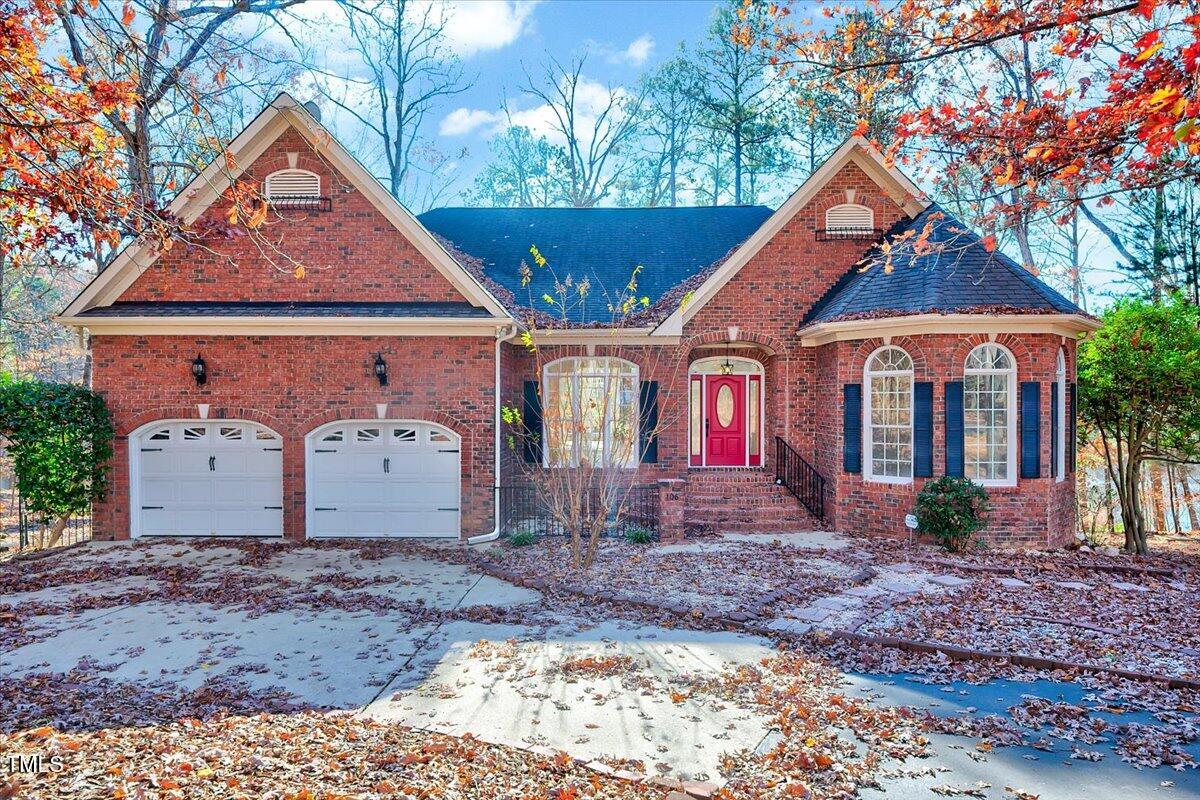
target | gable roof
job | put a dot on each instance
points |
(207, 187)
(855, 150)
(604, 245)
(957, 276)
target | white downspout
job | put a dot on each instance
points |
(502, 335)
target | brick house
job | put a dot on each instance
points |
(813, 383)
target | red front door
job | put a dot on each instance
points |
(725, 420)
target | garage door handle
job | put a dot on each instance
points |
(212, 463)
(387, 465)
(324, 509)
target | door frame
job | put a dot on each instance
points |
(321, 429)
(133, 456)
(711, 365)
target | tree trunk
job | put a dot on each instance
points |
(56, 530)
(1156, 498)
(1132, 517)
(737, 167)
(1189, 500)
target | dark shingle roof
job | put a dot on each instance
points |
(282, 309)
(603, 244)
(958, 276)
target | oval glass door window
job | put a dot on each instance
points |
(725, 405)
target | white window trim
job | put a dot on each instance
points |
(868, 473)
(290, 171)
(709, 365)
(1010, 478)
(1060, 409)
(635, 456)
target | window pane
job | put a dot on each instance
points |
(696, 416)
(754, 402)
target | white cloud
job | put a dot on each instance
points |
(475, 26)
(636, 53)
(462, 121)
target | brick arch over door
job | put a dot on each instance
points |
(721, 336)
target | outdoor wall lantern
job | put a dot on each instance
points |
(200, 370)
(727, 367)
(381, 369)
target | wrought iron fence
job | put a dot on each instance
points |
(22, 530)
(524, 509)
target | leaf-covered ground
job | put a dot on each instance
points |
(334, 670)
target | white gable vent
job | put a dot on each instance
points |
(849, 221)
(295, 188)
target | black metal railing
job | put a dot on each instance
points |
(800, 478)
(301, 202)
(849, 232)
(523, 509)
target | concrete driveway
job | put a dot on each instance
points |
(397, 636)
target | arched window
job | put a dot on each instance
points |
(1060, 419)
(590, 412)
(293, 188)
(888, 415)
(849, 220)
(989, 415)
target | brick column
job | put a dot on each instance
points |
(670, 509)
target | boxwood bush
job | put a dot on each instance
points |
(952, 510)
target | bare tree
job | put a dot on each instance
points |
(596, 125)
(185, 60)
(594, 426)
(410, 69)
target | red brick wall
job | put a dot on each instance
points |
(293, 385)
(1037, 512)
(350, 253)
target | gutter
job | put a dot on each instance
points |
(502, 335)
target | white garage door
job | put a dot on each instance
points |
(383, 479)
(209, 478)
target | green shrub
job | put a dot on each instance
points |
(638, 534)
(521, 538)
(59, 437)
(952, 510)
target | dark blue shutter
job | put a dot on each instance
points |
(648, 422)
(852, 427)
(923, 430)
(1031, 433)
(1054, 432)
(954, 429)
(1072, 441)
(532, 440)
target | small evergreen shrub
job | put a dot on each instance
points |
(952, 510)
(521, 538)
(638, 534)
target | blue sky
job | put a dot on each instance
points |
(498, 40)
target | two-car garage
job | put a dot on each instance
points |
(381, 478)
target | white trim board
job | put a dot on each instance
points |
(283, 112)
(287, 326)
(856, 150)
(1071, 325)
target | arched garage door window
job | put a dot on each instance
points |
(205, 478)
(383, 478)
